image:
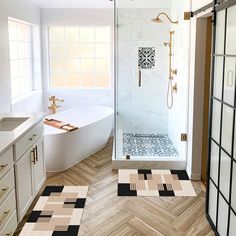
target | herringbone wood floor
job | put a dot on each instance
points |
(107, 214)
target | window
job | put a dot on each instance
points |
(21, 57)
(79, 57)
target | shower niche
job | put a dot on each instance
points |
(146, 130)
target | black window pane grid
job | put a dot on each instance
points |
(230, 154)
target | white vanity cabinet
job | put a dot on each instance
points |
(22, 174)
(7, 191)
(30, 174)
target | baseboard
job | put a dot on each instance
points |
(148, 164)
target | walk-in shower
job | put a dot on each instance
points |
(145, 129)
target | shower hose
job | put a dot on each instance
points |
(170, 95)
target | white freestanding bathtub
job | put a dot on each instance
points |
(65, 149)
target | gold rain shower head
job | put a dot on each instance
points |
(159, 20)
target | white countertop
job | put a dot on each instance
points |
(8, 138)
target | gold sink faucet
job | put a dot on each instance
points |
(53, 107)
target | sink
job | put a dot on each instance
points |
(10, 123)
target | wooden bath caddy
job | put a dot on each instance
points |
(60, 125)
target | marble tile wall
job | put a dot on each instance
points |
(142, 109)
(177, 116)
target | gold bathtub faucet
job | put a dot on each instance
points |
(53, 107)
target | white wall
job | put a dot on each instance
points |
(79, 17)
(196, 4)
(142, 109)
(196, 93)
(26, 11)
(177, 116)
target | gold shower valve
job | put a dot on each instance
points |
(175, 88)
(174, 72)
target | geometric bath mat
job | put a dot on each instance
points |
(162, 183)
(58, 212)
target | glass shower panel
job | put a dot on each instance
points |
(222, 198)
(223, 210)
(219, 47)
(218, 74)
(232, 227)
(214, 162)
(229, 84)
(227, 127)
(146, 128)
(216, 120)
(233, 203)
(212, 201)
(225, 164)
(231, 31)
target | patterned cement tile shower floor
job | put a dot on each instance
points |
(148, 145)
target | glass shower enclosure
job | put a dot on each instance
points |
(151, 90)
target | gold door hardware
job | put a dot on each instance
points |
(175, 88)
(53, 107)
(3, 192)
(188, 15)
(4, 216)
(139, 78)
(184, 137)
(174, 72)
(2, 167)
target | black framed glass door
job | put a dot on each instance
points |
(221, 188)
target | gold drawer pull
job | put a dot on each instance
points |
(4, 216)
(36, 153)
(3, 192)
(2, 167)
(33, 159)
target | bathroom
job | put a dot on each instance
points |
(105, 117)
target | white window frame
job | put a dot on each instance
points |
(48, 60)
(28, 93)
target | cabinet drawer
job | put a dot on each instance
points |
(7, 208)
(7, 183)
(28, 140)
(6, 162)
(10, 226)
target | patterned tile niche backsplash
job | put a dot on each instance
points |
(146, 57)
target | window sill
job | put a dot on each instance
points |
(80, 89)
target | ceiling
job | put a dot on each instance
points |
(73, 3)
(102, 3)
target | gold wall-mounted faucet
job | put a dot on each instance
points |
(53, 107)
